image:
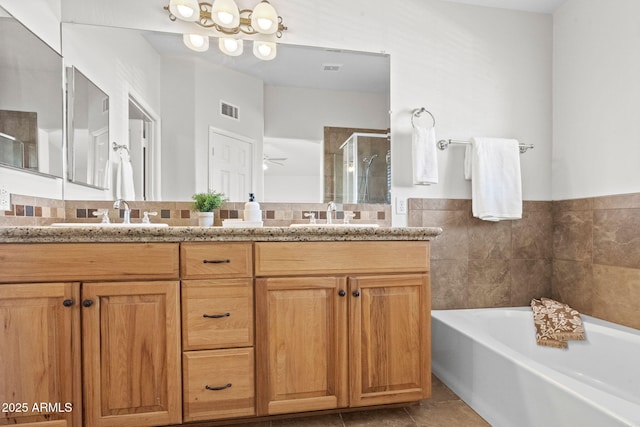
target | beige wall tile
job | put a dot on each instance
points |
(572, 283)
(572, 235)
(616, 237)
(453, 243)
(532, 236)
(449, 283)
(489, 240)
(616, 294)
(530, 279)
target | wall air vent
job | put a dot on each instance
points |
(229, 110)
(331, 67)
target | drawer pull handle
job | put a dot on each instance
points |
(216, 316)
(208, 387)
(68, 302)
(216, 261)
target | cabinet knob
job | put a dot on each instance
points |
(67, 302)
(208, 387)
(87, 303)
(342, 292)
(356, 293)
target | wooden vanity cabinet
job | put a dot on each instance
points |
(125, 300)
(341, 324)
(217, 330)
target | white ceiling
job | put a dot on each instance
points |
(538, 6)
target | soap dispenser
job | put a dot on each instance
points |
(252, 212)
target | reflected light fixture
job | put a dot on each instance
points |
(196, 42)
(231, 25)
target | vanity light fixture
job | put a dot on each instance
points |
(231, 25)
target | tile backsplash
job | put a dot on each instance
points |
(31, 211)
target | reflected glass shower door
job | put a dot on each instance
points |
(366, 168)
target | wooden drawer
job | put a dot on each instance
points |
(205, 260)
(217, 313)
(300, 258)
(229, 373)
(46, 262)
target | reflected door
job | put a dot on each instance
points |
(230, 164)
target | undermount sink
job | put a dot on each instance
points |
(108, 225)
(359, 225)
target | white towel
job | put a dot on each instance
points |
(124, 179)
(496, 184)
(425, 160)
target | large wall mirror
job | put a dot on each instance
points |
(181, 112)
(31, 112)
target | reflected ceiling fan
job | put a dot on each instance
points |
(267, 160)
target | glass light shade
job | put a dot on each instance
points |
(264, 50)
(231, 47)
(225, 13)
(264, 18)
(196, 42)
(185, 10)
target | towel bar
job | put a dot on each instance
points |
(418, 112)
(443, 144)
(118, 147)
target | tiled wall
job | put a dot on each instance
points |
(478, 263)
(596, 256)
(31, 211)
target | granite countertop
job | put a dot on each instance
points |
(199, 234)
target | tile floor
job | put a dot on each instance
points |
(444, 409)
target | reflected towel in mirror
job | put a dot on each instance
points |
(124, 178)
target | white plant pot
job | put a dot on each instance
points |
(205, 219)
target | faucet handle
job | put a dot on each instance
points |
(145, 217)
(311, 216)
(105, 216)
(348, 216)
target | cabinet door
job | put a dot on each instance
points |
(390, 348)
(40, 354)
(301, 331)
(131, 353)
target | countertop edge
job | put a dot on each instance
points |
(92, 234)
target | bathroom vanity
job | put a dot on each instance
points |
(161, 326)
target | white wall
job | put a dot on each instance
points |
(41, 16)
(119, 63)
(315, 108)
(596, 109)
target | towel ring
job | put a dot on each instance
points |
(418, 112)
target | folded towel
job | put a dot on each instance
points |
(496, 184)
(425, 158)
(556, 323)
(124, 179)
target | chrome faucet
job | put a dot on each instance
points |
(127, 210)
(331, 207)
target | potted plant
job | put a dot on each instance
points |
(205, 204)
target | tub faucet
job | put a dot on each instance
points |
(127, 210)
(331, 207)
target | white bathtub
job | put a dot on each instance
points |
(490, 359)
